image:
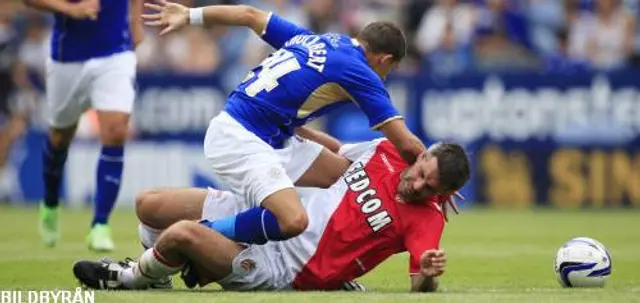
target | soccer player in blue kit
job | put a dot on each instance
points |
(92, 64)
(255, 145)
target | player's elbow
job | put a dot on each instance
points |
(249, 16)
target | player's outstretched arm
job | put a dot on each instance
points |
(409, 146)
(85, 9)
(432, 263)
(173, 16)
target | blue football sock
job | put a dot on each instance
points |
(225, 226)
(53, 160)
(108, 176)
(255, 226)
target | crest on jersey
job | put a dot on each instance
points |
(248, 265)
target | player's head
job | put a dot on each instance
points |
(441, 170)
(384, 44)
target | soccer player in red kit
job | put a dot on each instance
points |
(380, 207)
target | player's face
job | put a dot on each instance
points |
(420, 181)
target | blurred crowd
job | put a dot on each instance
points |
(447, 37)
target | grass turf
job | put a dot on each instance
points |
(493, 256)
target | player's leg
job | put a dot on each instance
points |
(113, 132)
(190, 241)
(158, 209)
(282, 215)
(54, 158)
(261, 224)
(305, 162)
(308, 164)
(182, 242)
(112, 95)
(12, 122)
(10, 133)
(253, 170)
(66, 98)
(185, 241)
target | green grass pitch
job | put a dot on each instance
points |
(493, 256)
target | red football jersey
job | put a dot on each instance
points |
(359, 222)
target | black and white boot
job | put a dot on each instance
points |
(99, 275)
(162, 283)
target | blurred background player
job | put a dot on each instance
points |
(9, 128)
(92, 65)
(250, 144)
(382, 206)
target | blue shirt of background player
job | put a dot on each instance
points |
(308, 76)
(80, 40)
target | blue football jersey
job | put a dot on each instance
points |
(308, 76)
(80, 40)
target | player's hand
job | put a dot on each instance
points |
(167, 15)
(86, 9)
(432, 263)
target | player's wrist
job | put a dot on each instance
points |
(196, 16)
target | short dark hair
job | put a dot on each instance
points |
(453, 165)
(384, 37)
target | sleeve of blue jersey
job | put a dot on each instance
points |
(279, 31)
(370, 94)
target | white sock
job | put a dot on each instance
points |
(148, 235)
(149, 268)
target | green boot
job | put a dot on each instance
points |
(49, 225)
(99, 239)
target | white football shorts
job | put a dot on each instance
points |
(249, 166)
(105, 84)
(258, 267)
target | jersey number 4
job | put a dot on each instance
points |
(275, 66)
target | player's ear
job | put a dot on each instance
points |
(387, 59)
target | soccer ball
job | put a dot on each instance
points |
(582, 262)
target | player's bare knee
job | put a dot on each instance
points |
(144, 206)
(148, 209)
(182, 234)
(114, 133)
(294, 224)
